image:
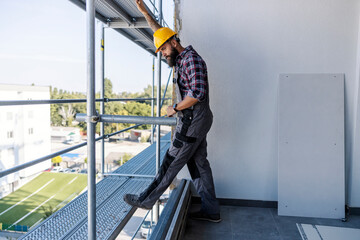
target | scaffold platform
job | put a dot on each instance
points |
(112, 213)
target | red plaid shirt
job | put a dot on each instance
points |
(192, 72)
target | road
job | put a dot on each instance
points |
(132, 225)
(125, 146)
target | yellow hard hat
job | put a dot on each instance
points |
(161, 36)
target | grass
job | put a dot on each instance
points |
(60, 186)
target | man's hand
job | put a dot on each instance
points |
(170, 111)
(141, 6)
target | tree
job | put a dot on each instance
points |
(126, 157)
(108, 91)
(56, 119)
(67, 114)
(147, 93)
(63, 114)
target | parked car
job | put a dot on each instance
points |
(145, 228)
(163, 199)
(83, 171)
(57, 169)
(66, 170)
(48, 169)
(75, 170)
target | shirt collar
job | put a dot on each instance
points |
(184, 52)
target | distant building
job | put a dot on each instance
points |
(72, 160)
(69, 135)
(24, 134)
(136, 134)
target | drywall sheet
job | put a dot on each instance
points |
(311, 181)
(316, 232)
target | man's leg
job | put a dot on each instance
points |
(176, 157)
(181, 156)
(168, 159)
(201, 174)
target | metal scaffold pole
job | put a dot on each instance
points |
(102, 93)
(90, 103)
(153, 91)
(81, 117)
(152, 101)
(158, 110)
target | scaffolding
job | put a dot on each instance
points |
(124, 17)
(112, 213)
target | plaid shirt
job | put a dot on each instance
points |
(192, 72)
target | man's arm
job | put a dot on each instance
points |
(152, 23)
(184, 104)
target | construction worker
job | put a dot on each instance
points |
(195, 119)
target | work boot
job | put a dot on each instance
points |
(206, 217)
(133, 200)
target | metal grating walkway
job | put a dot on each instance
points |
(112, 212)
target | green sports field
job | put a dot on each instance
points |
(26, 205)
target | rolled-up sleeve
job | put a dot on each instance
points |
(196, 72)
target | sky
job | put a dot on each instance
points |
(44, 42)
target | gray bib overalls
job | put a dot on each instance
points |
(188, 147)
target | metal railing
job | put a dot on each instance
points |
(69, 149)
(81, 117)
(91, 118)
(155, 9)
(59, 101)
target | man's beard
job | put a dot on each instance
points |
(171, 60)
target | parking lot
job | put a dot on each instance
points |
(111, 148)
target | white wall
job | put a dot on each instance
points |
(246, 45)
(36, 117)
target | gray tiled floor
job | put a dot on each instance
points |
(249, 223)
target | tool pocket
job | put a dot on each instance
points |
(177, 143)
(185, 138)
(186, 122)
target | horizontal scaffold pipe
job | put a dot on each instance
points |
(39, 160)
(128, 175)
(130, 99)
(81, 117)
(57, 101)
